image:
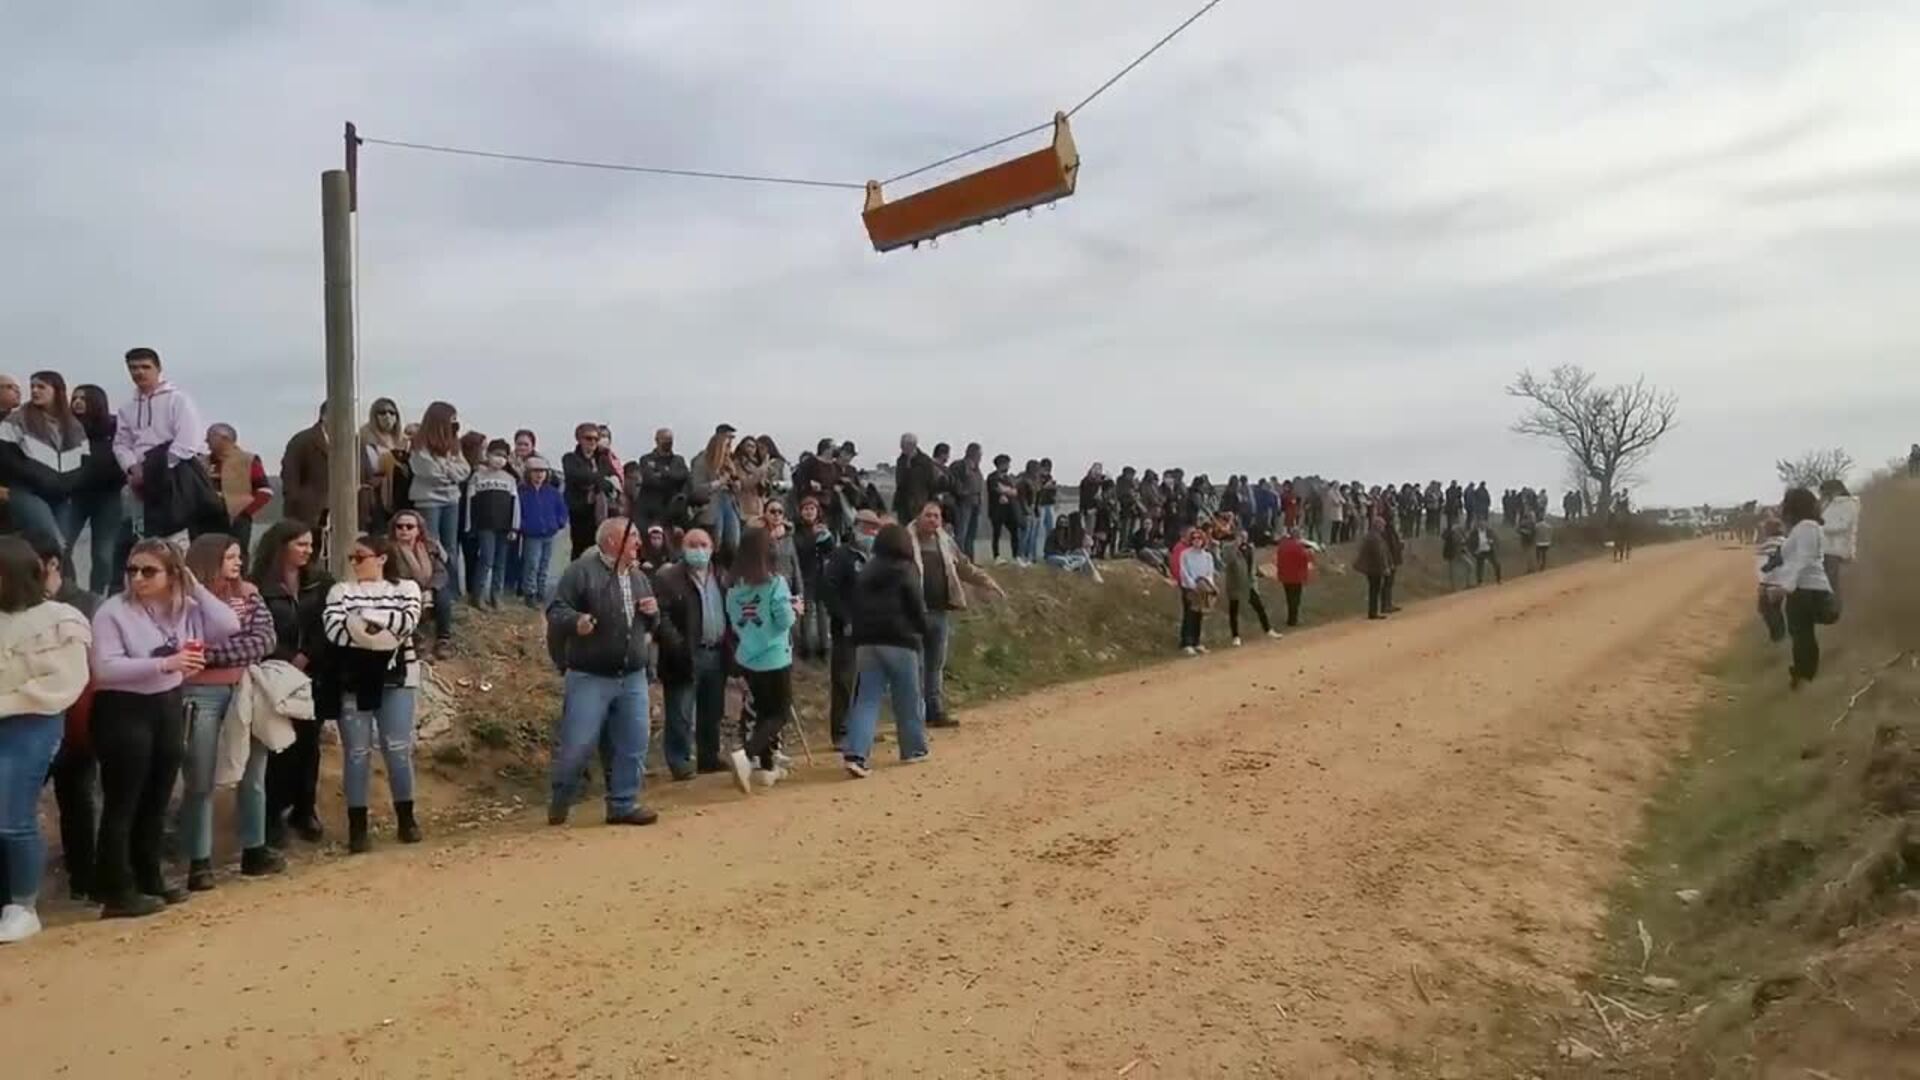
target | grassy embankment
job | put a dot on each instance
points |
(1053, 627)
(1768, 924)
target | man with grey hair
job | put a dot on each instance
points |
(913, 479)
(241, 479)
(9, 395)
(598, 629)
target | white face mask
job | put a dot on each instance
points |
(497, 461)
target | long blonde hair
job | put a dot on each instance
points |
(168, 556)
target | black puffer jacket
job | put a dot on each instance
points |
(888, 607)
(616, 647)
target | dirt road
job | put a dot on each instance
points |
(1320, 857)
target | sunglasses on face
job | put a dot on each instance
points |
(406, 528)
(140, 570)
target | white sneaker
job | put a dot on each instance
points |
(766, 777)
(18, 923)
(1201, 649)
(1275, 634)
(856, 769)
(1190, 651)
(742, 771)
(781, 763)
(1236, 643)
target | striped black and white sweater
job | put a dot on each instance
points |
(368, 619)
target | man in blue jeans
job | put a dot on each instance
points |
(693, 656)
(945, 574)
(598, 630)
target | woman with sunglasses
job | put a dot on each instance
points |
(383, 449)
(293, 591)
(147, 641)
(370, 620)
(417, 557)
(215, 559)
(43, 671)
(440, 471)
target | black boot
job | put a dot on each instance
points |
(358, 840)
(261, 861)
(200, 875)
(409, 829)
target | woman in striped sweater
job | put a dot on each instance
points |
(369, 620)
(216, 560)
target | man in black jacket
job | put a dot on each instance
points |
(693, 657)
(843, 570)
(598, 625)
(969, 483)
(913, 479)
(664, 480)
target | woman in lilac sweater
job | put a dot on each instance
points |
(146, 642)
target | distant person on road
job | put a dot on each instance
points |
(1484, 544)
(887, 622)
(1197, 575)
(1542, 542)
(1767, 559)
(1913, 461)
(1396, 557)
(1293, 561)
(1372, 561)
(598, 625)
(1453, 551)
(1800, 582)
(1840, 532)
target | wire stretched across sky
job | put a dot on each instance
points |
(794, 181)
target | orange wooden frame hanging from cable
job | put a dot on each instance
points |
(1023, 183)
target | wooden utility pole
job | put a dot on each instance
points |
(343, 457)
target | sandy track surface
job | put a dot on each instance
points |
(1320, 857)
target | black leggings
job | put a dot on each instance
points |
(1259, 608)
(75, 774)
(1293, 603)
(293, 777)
(770, 696)
(1804, 608)
(1376, 589)
(140, 740)
(1003, 520)
(1192, 621)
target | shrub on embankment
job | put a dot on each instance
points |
(1770, 923)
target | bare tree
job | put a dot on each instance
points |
(1609, 431)
(1815, 467)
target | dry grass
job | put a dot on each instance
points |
(1792, 817)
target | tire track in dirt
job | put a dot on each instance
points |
(1318, 858)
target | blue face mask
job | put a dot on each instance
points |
(698, 558)
(865, 541)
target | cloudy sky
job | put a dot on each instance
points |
(1308, 237)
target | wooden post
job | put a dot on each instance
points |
(343, 458)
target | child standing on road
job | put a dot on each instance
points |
(543, 513)
(762, 610)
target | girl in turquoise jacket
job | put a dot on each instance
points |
(761, 611)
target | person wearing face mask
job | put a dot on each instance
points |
(661, 498)
(837, 584)
(693, 656)
(494, 510)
